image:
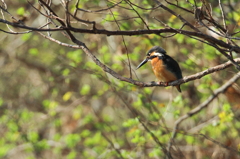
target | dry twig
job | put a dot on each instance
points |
(201, 106)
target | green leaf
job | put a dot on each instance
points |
(42, 145)
(57, 137)
(72, 140)
(226, 107)
(21, 11)
(46, 103)
(190, 139)
(155, 153)
(5, 149)
(88, 119)
(26, 115)
(180, 38)
(85, 89)
(57, 122)
(85, 133)
(131, 122)
(65, 72)
(26, 37)
(33, 136)
(33, 51)
(75, 56)
(12, 126)
(72, 155)
(91, 141)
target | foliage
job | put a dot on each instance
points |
(55, 102)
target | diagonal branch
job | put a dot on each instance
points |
(139, 83)
(204, 73)
(223, 15)
(138, 14)
(128, 33)
(220, 144)
(129, 64)
(202, 106)
(177, 15)
(97, 11)
(112, 144)
(105, 68)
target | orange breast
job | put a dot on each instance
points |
(161, 71)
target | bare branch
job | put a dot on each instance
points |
(203, 124)
(177, 15)
(143, 84)
(220, 144)
(143, 7)
(168, 27)
(131, 33)
(176, 5)
(105, 9)
(139, 16)
(129, 64)
(113, 146)
(223, 15)
(202, 106)
(136, 115)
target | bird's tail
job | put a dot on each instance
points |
(178, 88)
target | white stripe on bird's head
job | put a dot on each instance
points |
(158, 54)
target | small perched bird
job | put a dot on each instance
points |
(165, 68)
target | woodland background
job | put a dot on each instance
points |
(58, 101)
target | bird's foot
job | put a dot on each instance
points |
(163, 83)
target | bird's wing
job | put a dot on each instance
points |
(173, 66)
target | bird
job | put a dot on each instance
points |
(165, 68)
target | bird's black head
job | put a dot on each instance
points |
(154, 52)
(156, 49)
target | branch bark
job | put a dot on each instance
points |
(201, 106)
(139, 83)
(130, 33)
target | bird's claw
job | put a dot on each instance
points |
(163, 83)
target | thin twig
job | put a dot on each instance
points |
(149, 84)
(177, 15)
(168, 27)
(112, 144)
(105, 9)
(220, 144)
(76, 8)
(201, 106)
(129, 64)
(136, 115)
(129, 33)
(228, 56)
(143, 7)
(223, 15)
(203, 124)
(139, 16)
(176, 5)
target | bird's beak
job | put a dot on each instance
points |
(142, 63)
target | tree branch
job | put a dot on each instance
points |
(220, 144)
(201, 106)
(129, 33)
(145, 84)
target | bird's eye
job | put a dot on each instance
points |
(153, 56)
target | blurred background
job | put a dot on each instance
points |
(56, 103)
